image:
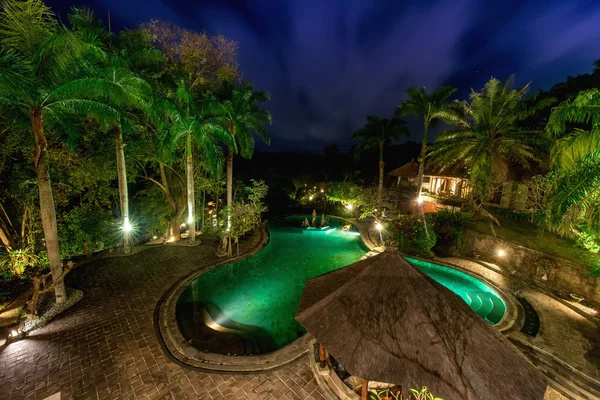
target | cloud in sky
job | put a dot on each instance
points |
(328, 64)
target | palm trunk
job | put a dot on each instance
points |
(422, 158)
(47, 211)
(123, 194)
(381, 172)
(190, 192)
(203, 210)
(229, 184)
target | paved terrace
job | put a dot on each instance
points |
(106, 347)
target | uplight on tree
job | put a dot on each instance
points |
(501, 253)
(127, 227)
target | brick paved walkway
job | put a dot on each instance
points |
(106, 347)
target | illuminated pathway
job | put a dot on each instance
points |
(106, 346)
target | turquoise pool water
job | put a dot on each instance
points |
(480, 297)
(253, 302)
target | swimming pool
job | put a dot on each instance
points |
(248, 307)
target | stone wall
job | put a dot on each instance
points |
(551, 272)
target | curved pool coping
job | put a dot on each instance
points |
(182, 352)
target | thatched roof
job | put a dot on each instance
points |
(411, 170)
(386, 321)
(408, 170)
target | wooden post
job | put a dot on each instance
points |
(365, 390)
(322, 356)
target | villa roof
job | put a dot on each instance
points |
(408, 170)
(386, 321)
(411, 170)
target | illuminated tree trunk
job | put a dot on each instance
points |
(47, 211)
(422, 157)
(381, 172)
(191, 203)
(123, 194)
(230, 177)
(229, 184)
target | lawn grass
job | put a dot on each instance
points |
(530, 235)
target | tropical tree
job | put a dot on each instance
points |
(196, 129)
(488, 138)
(377, 134)
(114, 83)
(236, 107)
(39, 60)
(575, 196)
(430, 107)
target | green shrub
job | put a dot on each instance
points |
(413, 235)
(449, 230)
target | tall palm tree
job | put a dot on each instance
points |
(39, 61)
(236, 107)
(119, 86)
(488, 138)
(430, 107)
(206, 133)
(575, 203)
(379, 133)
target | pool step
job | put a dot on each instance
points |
(486, 305)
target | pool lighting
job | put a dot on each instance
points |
(127, 227)
(501, 253)
(420, 199)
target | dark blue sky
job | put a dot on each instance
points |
(329, 63)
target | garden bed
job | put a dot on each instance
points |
(529, 235)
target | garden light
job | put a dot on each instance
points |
(14, 333)
(420, 199)
(349, 206)
(154, 237)
(311, 197)
(379, 227)
(322, 191)
(501, 253)
(127, 226)
(190, 219)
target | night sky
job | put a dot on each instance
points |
(329, 63)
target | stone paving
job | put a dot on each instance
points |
(105, 347)
(566, 334)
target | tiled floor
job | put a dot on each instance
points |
(106, 347)
(567, 335)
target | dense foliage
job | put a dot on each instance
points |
(109, 139)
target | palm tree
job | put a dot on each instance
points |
(430, 107)
(378, 133)
(39, 61)
(575, 204)
(488, 138)
(206, 133)
(237, 109)
(117, 85)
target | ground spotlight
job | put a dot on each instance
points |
(501, 253)
(127, 227)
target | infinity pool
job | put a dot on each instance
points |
(248, 307)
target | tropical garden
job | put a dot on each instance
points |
(111, 140)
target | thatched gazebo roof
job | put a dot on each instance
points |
(408, 170)
(386, 321)
(411, 170)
